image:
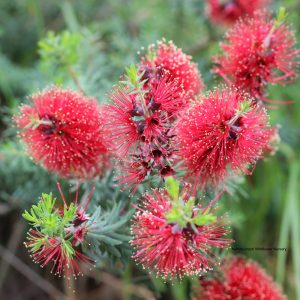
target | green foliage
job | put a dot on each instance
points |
(41, 211)
(49, 221)
(22, 181)
(172, 187)
(185, 212)
(245, 107)
(108, 234)
(204, 219)
(133, 78)
(59, 53)
(59, 50)
(281, 17)
(133, 81)
(92, 42)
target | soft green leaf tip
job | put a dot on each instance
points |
(172, 186)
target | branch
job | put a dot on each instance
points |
(74, 77)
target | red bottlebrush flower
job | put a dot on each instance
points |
(224, 130)
(241, 280)
(229, 11)
(122, 132)
(174, 248)
(179, 65)
(258, 51)
(134, 173)
(165, 93)
(62, 130)
(58, 233)
(139, 126)
(274, 140)
(127, 126)
(55, 250)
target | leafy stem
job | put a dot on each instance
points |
(133, 78)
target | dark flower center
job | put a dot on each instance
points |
(48, 125)
(235, 129)
(188, 232)
(166, 171)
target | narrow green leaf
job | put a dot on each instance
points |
(172, 186)
(105, 239)
(281, 16)
(206, 219)
(26, 215)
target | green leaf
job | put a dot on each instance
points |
(27, 216)
(49, 202)
(281, 17)
(133, 79)
(68, 248)
(105, 239)
(174, 215)
(244, 107)
(189, 206)
(205, 219)
(37, 245)
(59, 50)
(172, 186)
(69, 214)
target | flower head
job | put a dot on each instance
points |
(62, 130)
(241, 279)
(226, 130)
(128, 126)
(258, 51)
(139, 124)
(178, 64)
(57, 234)
(229, 11)
(173, 236)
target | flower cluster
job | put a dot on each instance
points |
(167, 56)
(173, 236)
(139, 123)
(62, 130)
(229, 11)
(241, 279)
(258, 51)
(57, 234)
(224, 131)
(157, 120)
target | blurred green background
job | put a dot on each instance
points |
(93, 41)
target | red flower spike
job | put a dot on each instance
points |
(215, 134)
(166, 93)
(58, 233)
(62, 130)
(134, 172)
(274, 140)
(169, 250)
(126, 124)
(258, 51)
(177, 63)
(121, 131)
(53, 250)
(144, 140)
(229, 11)
(241, 280)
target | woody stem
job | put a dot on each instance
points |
(74, 77)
